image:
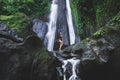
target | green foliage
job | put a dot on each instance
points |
(41, 7)
(105, 10)
(75, 13)
(102, 11)
(91, 15)
(15, 13)
(18, 22)
(78, 23)
(87, 39)
(29, 7)
(114, 24)
(102, 31)
(115, 21)
(98, 33)
(83, 12)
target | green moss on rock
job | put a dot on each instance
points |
(17, 21)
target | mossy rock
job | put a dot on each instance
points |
(18, 21)
(35, 45)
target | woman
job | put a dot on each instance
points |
(60, 40)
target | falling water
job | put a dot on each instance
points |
(74, 62)
(70, 23)
(50, 36)
(70, 65)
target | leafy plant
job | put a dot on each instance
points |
(28, 7)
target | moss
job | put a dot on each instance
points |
(34, 44)
(98, 33)
(75, 12)
(76, 15)
(43, 55)
(105, 10)
(87, 39)
(102, 32)
(90, 16)
(17, 21)
(115, 22)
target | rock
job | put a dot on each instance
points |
(27, 60)
(23, 61)
(105, 64)
(40, 28)
(5, 32)
(93, 50)
(97, 57)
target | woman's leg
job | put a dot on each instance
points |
(61, 44)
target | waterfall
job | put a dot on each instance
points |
(70, 23)
(74, 62)
(50, 36)
(68, 65)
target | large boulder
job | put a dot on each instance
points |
(24, 59)
(99, 56)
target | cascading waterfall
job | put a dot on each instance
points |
(70, 23)
(74, 62)
(68, 65)
(50, 36)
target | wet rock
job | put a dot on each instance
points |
(25, 60)
(40, 28)
(5, 32)
(105, 64)
(99, 57)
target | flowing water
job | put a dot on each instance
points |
(50, 36)
(68, 65)
(74, 65)
(70, 23)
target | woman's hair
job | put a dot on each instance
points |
(60, 35)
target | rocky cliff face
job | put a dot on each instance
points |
(29, 60)
(24, 59)
(99, 56)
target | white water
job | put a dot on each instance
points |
(74, 62)
(51, 36)
(70, 23)
(52, 25)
